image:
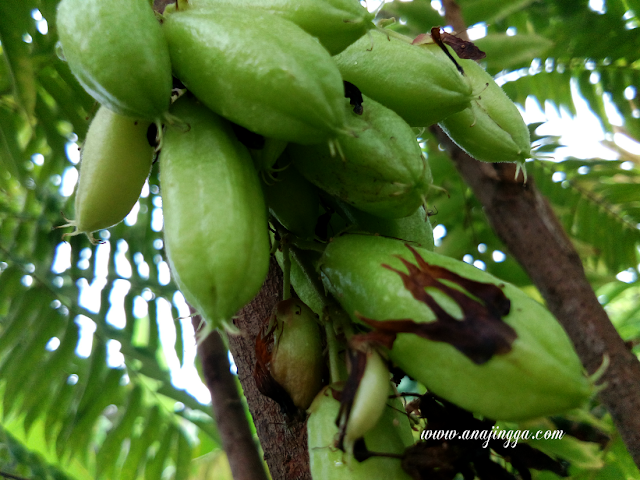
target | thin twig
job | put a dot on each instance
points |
(228, 409)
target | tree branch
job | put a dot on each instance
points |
(228, 410)
(283, 440)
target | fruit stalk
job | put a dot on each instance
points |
(229, 414)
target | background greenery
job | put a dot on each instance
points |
(69, 414)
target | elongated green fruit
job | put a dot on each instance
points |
(258, 70)
(215, 225)
(492, 350)
(116, 160)
(336, 23)
(418, 82)
(383, 171)
(294, 202)
(415, 228)
(117, 51)
(391, 434)
(491, 129)
(297, 360)
(370, 400)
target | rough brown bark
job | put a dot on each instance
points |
(525, 222)
(228, 409)
(284, 441)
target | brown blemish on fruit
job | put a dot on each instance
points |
(480, 334)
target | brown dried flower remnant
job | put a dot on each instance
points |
(463, 48)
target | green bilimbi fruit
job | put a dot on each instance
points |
(419, 83)
(491, 348)
(116, 161)
(118, 53)
(297, 359)
(369, 402)
(215, 219)
(491, 129)
(258, 70)
(415, 228)
(294, 202)
(382, 170)
(335, 23)
(391, 434)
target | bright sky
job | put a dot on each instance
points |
(581, 135)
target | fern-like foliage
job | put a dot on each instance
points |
(19, 461)
(122, 421)
(82, 399)
(594, 209)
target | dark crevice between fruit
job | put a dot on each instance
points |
(355, 97)
(177, 83)
(479, 335)
(322, 230)
(152, 135)
(249, 139)
(397, 374)
(153, 139)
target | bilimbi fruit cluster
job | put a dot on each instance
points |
(299, 117)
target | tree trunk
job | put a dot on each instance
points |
(283, 440)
